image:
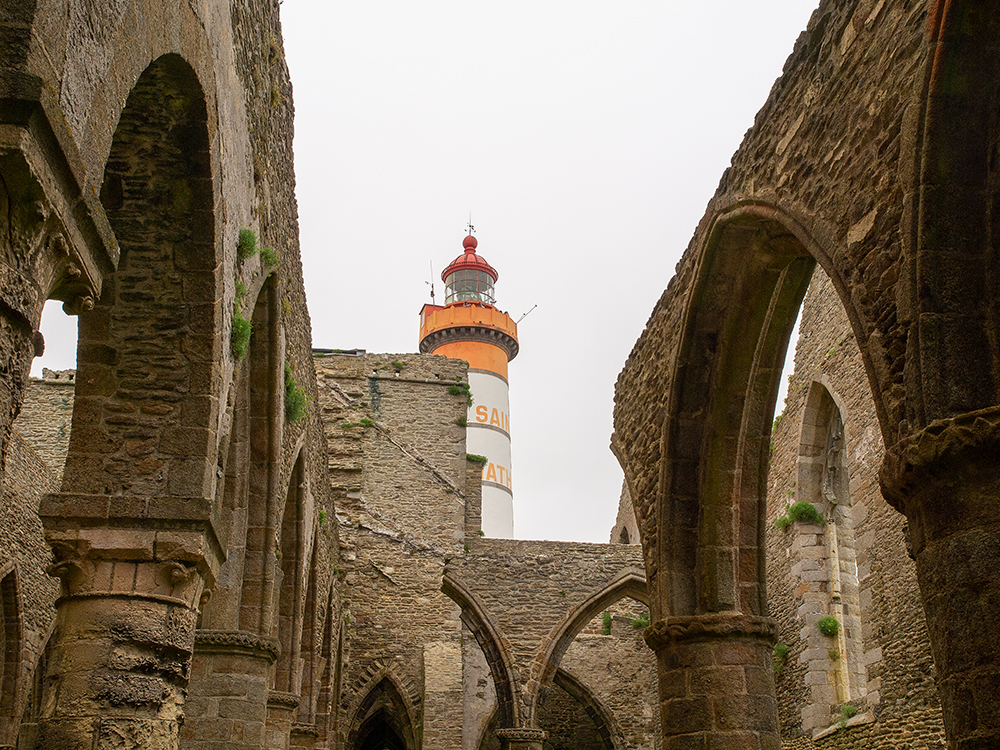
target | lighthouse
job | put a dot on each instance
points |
(470, 327)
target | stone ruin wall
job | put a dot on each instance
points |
(530, 588)
(625, 530)
(899, 694)
(23, 561)
(46, 417)
(87, 61)
(397, 468)
(407, 507)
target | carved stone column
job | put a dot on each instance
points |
(228, 696)
(946, 478)
(280, 718)
(716, 687)
(521, 738)
(125, 627)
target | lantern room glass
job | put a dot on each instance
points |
(469, 286)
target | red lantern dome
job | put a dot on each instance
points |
(469, 278)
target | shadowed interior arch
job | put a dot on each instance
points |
(603, 722)
(628, 584)
(145, 413)
(478, 621)
(382, 721)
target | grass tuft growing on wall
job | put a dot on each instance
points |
(239, 338)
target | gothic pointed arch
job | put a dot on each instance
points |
(484, 629)
(822, 479)
(604, 725)
(383, 719)
(627, 584)
(751, 278)
(953, 266)
(697, 455)
(294, 548)
(261, 449)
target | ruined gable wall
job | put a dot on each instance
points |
(397, 466)
(625, 530)
(901, 694)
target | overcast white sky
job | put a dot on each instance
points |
(585, 138)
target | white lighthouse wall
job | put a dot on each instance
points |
(489, 435)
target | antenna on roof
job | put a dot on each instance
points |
(526, 314)
(431, 282)
(472, 229)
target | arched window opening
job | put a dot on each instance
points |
(146, 337)
(382, 721)
(826, 563)
(623, 538)
(380, 733)
(291, 585)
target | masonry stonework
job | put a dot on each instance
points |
(887, 676)
(233, 555)
(869, 159)
(434, 614)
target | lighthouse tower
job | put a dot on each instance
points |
(470, 327)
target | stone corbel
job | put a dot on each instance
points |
(69, 280)
(61, 241)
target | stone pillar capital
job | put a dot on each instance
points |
(81, 538)
(521, 738)
(925, 457)
(709, 626)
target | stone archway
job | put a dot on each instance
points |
(484, 630)
(133, 531)
(382, 720)
(705, 549)
(627, 584)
